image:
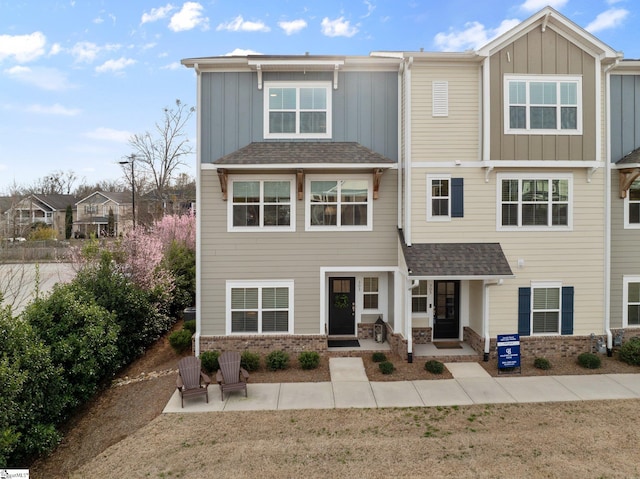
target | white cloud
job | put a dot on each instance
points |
(338, 28)
(109, 134)
(98, 20)
(115, 65)
(239, 52)
(172, 66)
(609, 19)
(55, 109)
(49, 79)
(370, 8)
(473, 36)
(188, 18)
(55, 49)
(156, 14)
(239, 24)
(535, 5)
(87, 52)
(294, 26)
(22, 48)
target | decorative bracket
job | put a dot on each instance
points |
(377, 177)
(590, 173)
(222, 176)
(627, 177)
(545, 21)
(259, 70)
(300, 184)
(487, 172)
(335, 76)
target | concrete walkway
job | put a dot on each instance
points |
(471, 384)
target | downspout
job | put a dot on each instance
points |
(198, 214)
(414, 284)
(607, 212)
(407, 155)
(400, 166)
(485, 317)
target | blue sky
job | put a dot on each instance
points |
(79, 77)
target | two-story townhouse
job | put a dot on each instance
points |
(24, 213)
(504, 190)
(296, 200)
(624, 234)
(103, 213)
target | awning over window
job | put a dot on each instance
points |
(629, 170)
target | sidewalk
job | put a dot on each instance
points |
(471, 384)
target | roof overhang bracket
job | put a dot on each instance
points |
(259, 70)
(335, 76)
(590, 172)
(223, 177)
(377, 177)
(487, 172)
(300, 184)
(545, 22)
(627, 177)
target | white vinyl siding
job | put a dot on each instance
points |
(631, 301)
(261, 204)
(259, 307)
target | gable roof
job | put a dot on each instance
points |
(309, 154)
(56, 202)
(117, 197)
(630, 160)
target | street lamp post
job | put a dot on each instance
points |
(131, 160)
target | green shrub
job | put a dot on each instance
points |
(209, 361)
(276, 360)
(378, 357)
(250, 361)
(541, 363)
(589, 361)
(180, 341)
(190, 326)
(433, 366)
(386, 367)
(630, 352)
(309, 359)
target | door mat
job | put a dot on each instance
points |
(447, 345)
(344, 343)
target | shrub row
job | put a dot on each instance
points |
(275, 360)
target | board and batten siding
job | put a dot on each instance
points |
(296, 256)
(364, 110)
(625, 115)
(542, 53)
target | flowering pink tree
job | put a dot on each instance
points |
(179, 228)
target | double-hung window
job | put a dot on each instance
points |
(534, 202)
(297, 110)
(261, 204)
(444, 198)
(371, 293)
(419, 298)
(631, 301)
(543, 105)
(632, 206)
(259, 307)
(344, 204)
(545, 308)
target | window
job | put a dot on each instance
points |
(632, 206)
(263, 204)
(545, 308)
(543, 105)
(370, 293)
(260, 307)
(631, 301)
(438, 198)
(419, 298)
(91, 209)
(345, 204)
(534, 202)
(297, 110)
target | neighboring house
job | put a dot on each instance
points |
(94, 211)
(296, 199)
(625, 199)
(23, 214)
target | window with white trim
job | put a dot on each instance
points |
(534, 202)
(370, 293)
(344, 203)
(261, 204)
(438, 198)
(631, 301)
(259, 307)
(543, 105)
(632, 206)
(546, 307)
(297, 110)
(419, 298)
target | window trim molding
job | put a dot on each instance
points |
(627, 224)
(338, 178)
(626, 279)
(262, 229)
(533, 176)
(541, 78)
(297, 85)
(430, 215)
(546, 285)
(260, 284)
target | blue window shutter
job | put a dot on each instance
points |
(457, 197)
(567, 310)
(524, 311)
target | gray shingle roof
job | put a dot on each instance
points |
(456, 260)
(630, 159)
(303, 152)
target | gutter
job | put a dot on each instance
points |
(198, 215)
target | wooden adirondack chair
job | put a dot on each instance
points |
(230, 376)
(191, 380)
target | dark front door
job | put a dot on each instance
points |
(342, 306)
(446, 311)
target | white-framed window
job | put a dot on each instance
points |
(91, 209)
(632, 206)
(631, 301)
(546, 307)
(344, 203)
(438, 197)
(419, 298)
(371, 293)
(534, 201)
(261, 204)
(543, 104)
(297, 110)
(259, 307)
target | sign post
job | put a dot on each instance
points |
(508, 353)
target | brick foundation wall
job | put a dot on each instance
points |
(421, 335)
(365, 331)
(265, 344)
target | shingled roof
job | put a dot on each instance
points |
(303, 153)
(632, 158)
(456, 260)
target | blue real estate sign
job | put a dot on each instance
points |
(508, 351)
